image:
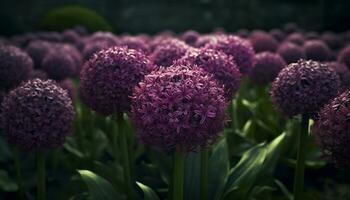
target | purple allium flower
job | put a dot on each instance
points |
(316, 50)
(240, 49)
(103, 36)
(342, 71)
(332, 131)
(222, 66)
(190, 37)
(263, 41)
(278, 34)
(70, 36)
(178, 107)
(37, 115)
(266, 68)
(304, 87)
(108, 78)
(59, 65)
(204, 40)
(168, 51)
(290, 52)
(332, 40)
(15, 66)
(38, 74)
(37, 49)
(296, 38)
(74, 53)
(156, 40)
(133, 42)
(344, 56)
(68, 85)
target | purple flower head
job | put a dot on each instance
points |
(37, 49)
(190, 37)
(93, 47)
(278, 34)
(344, 56)
(266, 68)
(168, 51)
(69, 86)
(332, 131)
(222, 66)
(296, 38)
(240, 49)
(316, 50)
(263, 41)
(178, 107)
(342, 71)
(137, 43)
(15, 67)
(290, 52)
(74, 53)
(333, 40)
(103, 36)
(37, 115)
(71, 37)
(59, 65)
(204, 40)
(37, 73)
(304, 87)
(108, 78)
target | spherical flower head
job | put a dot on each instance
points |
(263, 41)
(278, 34)
(222, 66)
(69, 86)
(204, 40)
(304, 87)
(344, 56)
(190, 37)
(342, 71)
(37, 49)
(103, 36)
(15, 67)
(71, 36)
(316, 50)
(178, 107)
(108, 78)
(59, 65)
(296, 38)
(137, 43)
(333, 40)
(290, 52)
(266, 68)
(38, 115)
(240, 49)
(168, 51)
(332, 131)
(73, 52)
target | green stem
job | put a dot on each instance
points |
(234, 115)
(40, 164)
(178, 191)
(125, 155)
(17, 162)
(204, 174)
(300, 166)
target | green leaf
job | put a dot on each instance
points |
(219, 165)
(191, 181)
(6, 183)
(100, 188)
(148, 193)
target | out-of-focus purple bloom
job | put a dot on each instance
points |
(137, 43)
(278, 34)
(59, 65)
(296, 38)
(311, 35)
(344, 56)
(190, 37)
(290, 27)
(304, 87)
(204, 40)
(266, 68)
(243, 33)
(69, 86)
(38, 115)
(316, 50)
(332, 40)
(108, 78)
(290, 52)
(70, 36)
(178, 107)
(342, 71)
(37, 49)
(263, 41)
(93, 47)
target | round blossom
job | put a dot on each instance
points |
(222, 66)
(37, 49)
(263, 41)
(37, 115)
(331, 39)
(296, 38)
(190, 37)
(332, 131)
(178, 107)
(304, 87)
(168, 51)
(344, 56)
(71, 36)
(15, 66)
(133, 42)
(240, 49)
(290, 52)
(342, 71)
(278, 34)
(108, 78)
(316, 50)
(204, 40)
(266, 68)
(59, 65)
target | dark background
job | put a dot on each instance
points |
(151, 16)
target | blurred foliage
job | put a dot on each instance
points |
(68, 16)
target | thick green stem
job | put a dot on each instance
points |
(125, 155)
(178, 190)
(204, 174)
(300, 166)
(40, 165)
(17, 162)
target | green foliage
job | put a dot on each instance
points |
(69, 16)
